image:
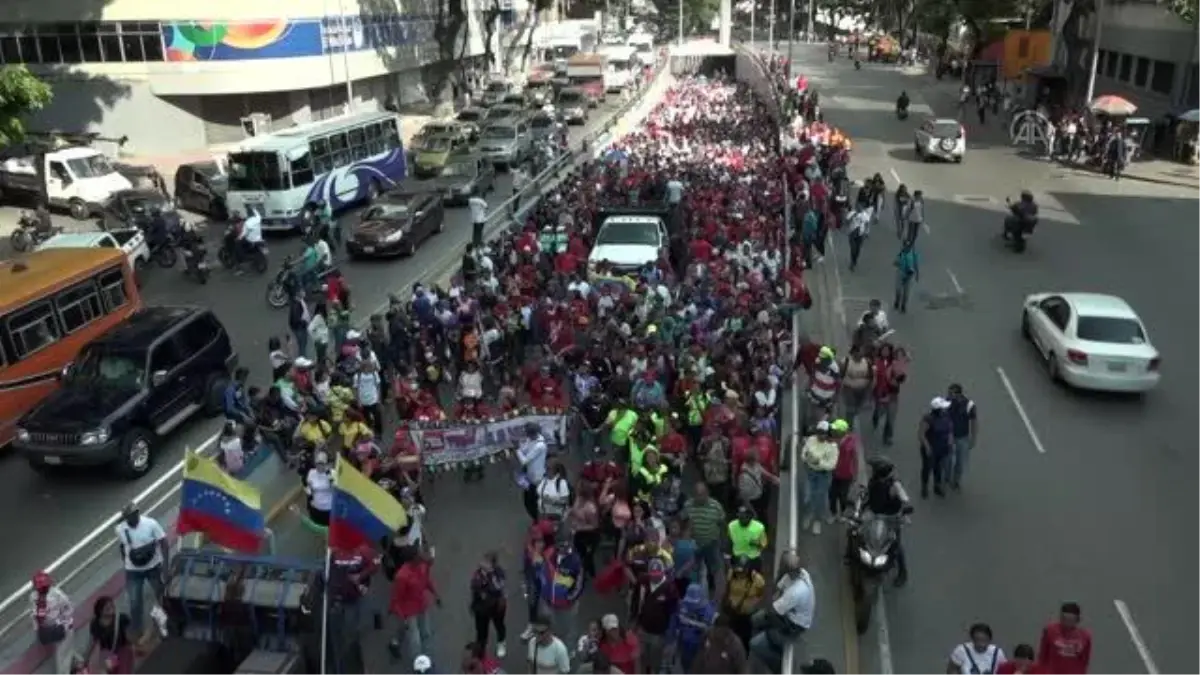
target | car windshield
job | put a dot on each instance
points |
(570, 97)
(636, 234)
(438, 130)
(108, 370)
(946, 129)
(142, 202)
(1110, 329)
(459, 169)
(497, 87)
(387, 212)
(440, 144)
(541, 122)
(500, 133)
(470, 116)
(255, 171)
(95, 166)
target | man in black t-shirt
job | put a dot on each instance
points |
(658, 599)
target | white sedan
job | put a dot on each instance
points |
(940, 138)
(1091, 341)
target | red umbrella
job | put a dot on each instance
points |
(1110, 104)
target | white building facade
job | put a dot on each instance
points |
(176, 79)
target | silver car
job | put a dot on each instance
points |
(572, 105)
(940, 138)
(506, 143)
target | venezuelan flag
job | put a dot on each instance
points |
(363, 512)
(224, 509)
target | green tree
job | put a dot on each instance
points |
(1184, 9)
(21, 93)
(976, 14)
(697, 14)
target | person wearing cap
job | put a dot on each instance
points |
(657, 602)
(747, 537)
(823, 385)
(745, 587)
(846, 469)
(53, 620)
(819, 455)
(886, 496)
(318, 485)
(145, 553)
(620, 646)
(936, 434)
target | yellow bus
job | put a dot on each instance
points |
(52, 303)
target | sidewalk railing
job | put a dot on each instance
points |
(88, 564)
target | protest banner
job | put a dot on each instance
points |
(451, 445)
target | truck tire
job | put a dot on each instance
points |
(79, 209)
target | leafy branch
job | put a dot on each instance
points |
(21, 93)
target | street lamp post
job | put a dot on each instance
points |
(346, 39)
(753, 7)
(791, 32)
(681, 23)
(771, 28)
(1091, 83)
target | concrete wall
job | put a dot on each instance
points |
(1146, 31)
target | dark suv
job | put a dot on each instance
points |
(129, 389)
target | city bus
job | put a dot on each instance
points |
(52, 303)
(622, 63)
(341, 161)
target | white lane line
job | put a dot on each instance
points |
(896, 176)
(954, 280)
(1136, 636)
(884, 637)
(925, 226)
(1012, 394)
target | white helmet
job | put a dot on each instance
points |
(422, 664)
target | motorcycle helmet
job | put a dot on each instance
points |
(881, 467)
(1026, 196)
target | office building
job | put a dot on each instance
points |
(176, 78)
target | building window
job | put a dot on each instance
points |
(1126, 67)
(86, 42)
(1142, 72)
(1110, 65)
(1162, 78)
(1023, 47)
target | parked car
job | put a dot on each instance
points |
(131, 241)
(506, 143)
(464, 176)
(127, 209)
(201, 187)
(397, 223)
(128, 390)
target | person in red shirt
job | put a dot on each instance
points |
(846, 469)
(1022, 662)
(1065, 647)
(413, 596)
(476, 661)
(620, 645)
(566, 263)
(673, 445)
(740, 446)
(701, 250)
(767, 449)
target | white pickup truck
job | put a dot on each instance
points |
(132, 242)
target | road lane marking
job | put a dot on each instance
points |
(884, 636)
(954, 280)
(1012, 394)
(896, 176)
(1136, 636)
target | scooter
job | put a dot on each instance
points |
(195, 264)
(287, 283)
(870, 541)
(231, 259)
(28, 235)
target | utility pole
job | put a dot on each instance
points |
(347, 38)
(791, 32)
(681, 23)
(812, 26)
(753, 7)
(771, 28)
(1091, 83)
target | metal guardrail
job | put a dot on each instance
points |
(79, 564)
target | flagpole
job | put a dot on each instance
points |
(325, 613)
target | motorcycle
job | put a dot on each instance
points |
(857, 64)
(287, 283)
(28, 235)
(195, 263)
(230, 257)
(165, 254)
(870, 541)
(1016, 230)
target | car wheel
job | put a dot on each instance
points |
(441, 226)
(214, 394)
(1025, 332)
(959, 159)
(1052, 368)
(79, 209)
(409, 249)
(136, 455)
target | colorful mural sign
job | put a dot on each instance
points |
(289, 38)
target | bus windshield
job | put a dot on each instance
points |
(618, 64)
(255, 171)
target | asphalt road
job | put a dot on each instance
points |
(71, 505)
(1094, 499)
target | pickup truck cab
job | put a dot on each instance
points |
(626, 244)
(79, 179)
(132, 242)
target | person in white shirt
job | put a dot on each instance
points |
(233, 456)
(554, 493)
(479, 213)
(470, 382)
(324, 254)
(547, 654)
(144, 553)
(978, 656)
(318, 484)
(789, 615)
(367, 386)
(532, 455)
(859, 228)
(674, 192)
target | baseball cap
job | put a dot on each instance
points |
(422, 664)
(939, 403)
(823, 426)
(825, 353)
(610, 622)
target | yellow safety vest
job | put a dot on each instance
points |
(623, 427)
(660, 424)
(651, 479)
(697, 405)
(637, 454)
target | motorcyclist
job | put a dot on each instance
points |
(328, 226)
(156, 228)
(41, 219)
(316, 259)
(885, 496)
(191, 241)
(1024, 214)
(250, 235)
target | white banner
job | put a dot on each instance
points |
(451, 444)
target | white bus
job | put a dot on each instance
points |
(340, 161)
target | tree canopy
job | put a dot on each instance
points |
(21, 93)
(1184, 9)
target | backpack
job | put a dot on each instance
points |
(975, 669)
(907, 262)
